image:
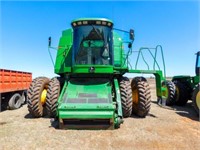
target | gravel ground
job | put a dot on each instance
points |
(176, 128)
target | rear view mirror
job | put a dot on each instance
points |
(130, 45)
(49, 41)
(131, 34)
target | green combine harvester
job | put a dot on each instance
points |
(187, 87)
(91, 90)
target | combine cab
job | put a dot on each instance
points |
(91, 90)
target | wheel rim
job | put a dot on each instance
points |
(198, 100)
(43, 96)
(17, 100)
(135, 96)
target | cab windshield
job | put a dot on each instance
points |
(92, 45)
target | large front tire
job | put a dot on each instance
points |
(53, 94)
(196, 98)
(126, 101)
(141, 96)
(37, 96)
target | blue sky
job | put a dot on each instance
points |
(26, 26)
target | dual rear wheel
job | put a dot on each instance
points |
(126, 96)
(53, 93)
(42, 96)
(135, 96)
(141, 96)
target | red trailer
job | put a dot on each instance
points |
(13, 87)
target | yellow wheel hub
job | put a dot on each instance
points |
(43, 96)
(135, 97)
(198, 99)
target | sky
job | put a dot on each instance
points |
(26, 25)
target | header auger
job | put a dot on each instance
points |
(91, 90)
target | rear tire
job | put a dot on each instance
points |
(141, 96)
(188, 88)
(53, 94)
(170, 97)
(15, 101)
(181, 93)
(35, 106)
(196, 98)
(126, 96)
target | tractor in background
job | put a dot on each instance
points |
(92, 90)
(187, 87)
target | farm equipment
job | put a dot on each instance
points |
(187, 87)
(13, 88)
(91, 90)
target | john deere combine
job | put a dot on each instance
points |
(91, 90)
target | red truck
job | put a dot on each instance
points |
(13, 87)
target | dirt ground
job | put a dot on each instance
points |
(176, 128)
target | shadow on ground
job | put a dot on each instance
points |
(4, 106)
(54, 123)
(187, 111)
(29, 116)
(137, 117)
(184, 111)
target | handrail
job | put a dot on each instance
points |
(140, 51)
(144, 60)
(55, 48)
(51, 55)
(163, 59)
(155, 62)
